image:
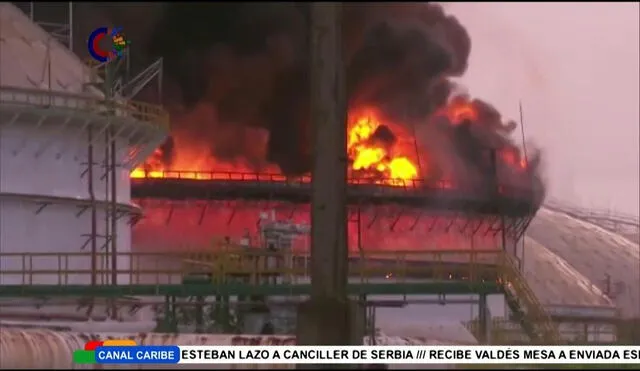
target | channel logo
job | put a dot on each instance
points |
(118, 46)
(88, 354)
(125, 352)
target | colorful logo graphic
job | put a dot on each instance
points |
(88, 354)
(118, 43)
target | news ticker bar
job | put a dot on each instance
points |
(359, 355)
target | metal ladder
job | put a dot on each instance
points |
(531, 314)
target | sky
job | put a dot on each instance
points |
(575, 66)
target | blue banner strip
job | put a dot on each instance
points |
(168, 354)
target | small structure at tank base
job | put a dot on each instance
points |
(253, 314)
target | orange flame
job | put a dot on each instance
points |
(514, 158)
(459, 110)
(374, 158)
(370, 159)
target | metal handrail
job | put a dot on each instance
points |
(148, 113)
(275, 178)
(136, 84)
(227, 262)
(535, 313)
(232, 176)
(585, 213)
(219, 265)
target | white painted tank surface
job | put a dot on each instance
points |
(32, 349)
(46, 112)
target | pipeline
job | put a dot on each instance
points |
(46, 316)
(48, 349)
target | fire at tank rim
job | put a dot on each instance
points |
(419, 194)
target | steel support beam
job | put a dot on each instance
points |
(328, 318)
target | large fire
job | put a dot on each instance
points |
(380, 152)
(240, 105)
(375, 154)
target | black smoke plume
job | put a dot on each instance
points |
(238, 65)
(249, 60)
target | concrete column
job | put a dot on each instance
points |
(329, 185)
(330, 321)
(328, 318)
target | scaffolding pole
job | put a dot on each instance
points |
(114, 215)
(94, 211)
(107, 225)
(111, 183)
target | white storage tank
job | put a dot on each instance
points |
(48, 112)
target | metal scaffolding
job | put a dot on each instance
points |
(111, 78)
(104, 115)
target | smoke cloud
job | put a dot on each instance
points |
(249, 61)
(239, 71)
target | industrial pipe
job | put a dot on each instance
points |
(46, 349)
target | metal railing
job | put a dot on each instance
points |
(589, 214)
(501, 331)
(279, 179)
(534, 312)
(229, 263)
(148, 113)
(218, 266)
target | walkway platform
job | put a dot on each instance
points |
(245, 271)
(238, 271)
(417, 193)
(389, 288)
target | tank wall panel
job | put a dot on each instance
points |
(26, 49)
(183, 225)
(56, 229)
(47, 161)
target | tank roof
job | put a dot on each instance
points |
(593, 261)
(31, 58)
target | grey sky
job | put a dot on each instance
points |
(576, 68)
